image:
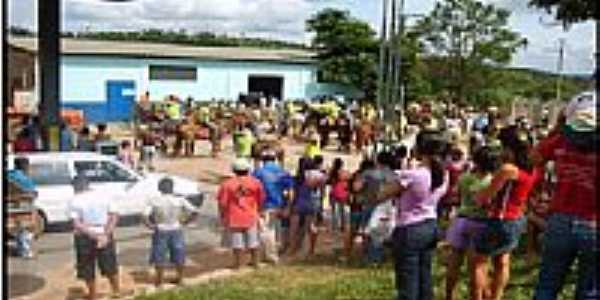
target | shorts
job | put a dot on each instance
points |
(499, 236)
(147, 154)
(360, 219)
(244, 238)
(461, 232)
(167, 241)
(87, 256)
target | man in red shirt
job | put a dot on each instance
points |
(240, 199)
(573, 220)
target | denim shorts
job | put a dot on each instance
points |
(360, 219)
(499, 236)
(167, 241)
(357, 221)
(461, 233)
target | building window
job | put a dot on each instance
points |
(172, 73)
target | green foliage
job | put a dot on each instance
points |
(569, 12)
(20, 31)
(347, 49)
(502, 85)
(470, 37)
(205, 39)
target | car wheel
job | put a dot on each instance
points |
(40, 223)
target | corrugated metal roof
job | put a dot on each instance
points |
(143, 49)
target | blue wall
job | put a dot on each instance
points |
(84, 80)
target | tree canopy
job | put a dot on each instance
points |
(471, 37)
(347, 49)
(569, 12)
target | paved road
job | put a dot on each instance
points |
(55, 249)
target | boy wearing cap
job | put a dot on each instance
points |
(94, 221)
(240, 198)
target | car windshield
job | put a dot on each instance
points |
(50, 173)
(105, 171)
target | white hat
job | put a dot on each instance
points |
(241, 164)
(580, 113)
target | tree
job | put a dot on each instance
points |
(571, 11)
(469, 36)
(182, 37)
(20, 31)
(347, 49)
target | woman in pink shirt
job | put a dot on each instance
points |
(417, 193)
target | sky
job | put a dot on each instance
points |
(284, 19)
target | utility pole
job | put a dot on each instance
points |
(561, 53)
(49, 61)
(561, 59)
(398, 84)
(382, 82)
(391, 91)
(389, 113)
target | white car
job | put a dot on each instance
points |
(53, 172)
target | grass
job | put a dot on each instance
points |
(325, 279)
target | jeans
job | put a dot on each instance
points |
(24, 240)
(375, 252)
(413, 250)
(340, 216)
(565, 240)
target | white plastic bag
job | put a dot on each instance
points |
(382, 222)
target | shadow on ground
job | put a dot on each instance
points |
(24, 284)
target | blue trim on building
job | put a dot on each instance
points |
(117, 108)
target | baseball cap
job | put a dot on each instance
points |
(241, 164)
(269, 153)
(581, 112)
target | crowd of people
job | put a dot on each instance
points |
(477, 200)
(488, 195)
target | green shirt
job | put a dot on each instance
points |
(312, 150)
(244, 144)
(468, 186)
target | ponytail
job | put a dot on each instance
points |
(438, 172)
(433, 145)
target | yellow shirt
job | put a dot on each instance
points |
(312, 150)
(173, 111)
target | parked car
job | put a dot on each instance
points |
(53, 171)
(110, 148)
